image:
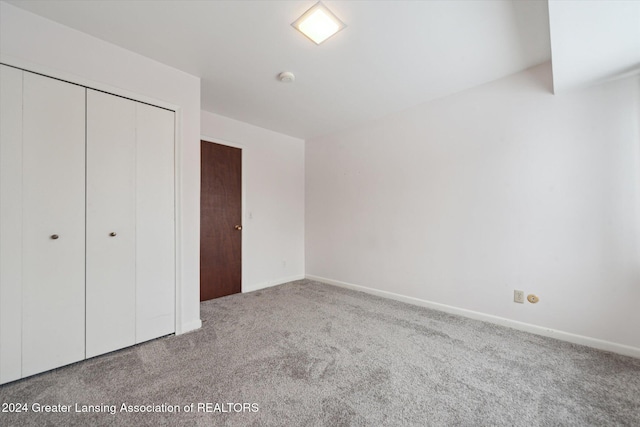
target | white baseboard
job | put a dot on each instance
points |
(527, 327)
(270, 283)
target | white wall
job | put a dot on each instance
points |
(38, 44)
(273, 205)
(462, 200)
(593, 40)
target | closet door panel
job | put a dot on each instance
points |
(155, 226)
(53, 183)
(111, 212)
(10, 224)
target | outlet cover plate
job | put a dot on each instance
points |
(518, 296)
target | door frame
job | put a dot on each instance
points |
(243, 176)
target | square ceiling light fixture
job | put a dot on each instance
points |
(318, 23)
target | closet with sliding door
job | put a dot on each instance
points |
(87, 230)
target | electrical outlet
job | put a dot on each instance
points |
(518, 296)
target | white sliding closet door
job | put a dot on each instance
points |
(111, 212)
(53, 211)
(155, 229)
(10, 224)
(87, 254)
(130, 223)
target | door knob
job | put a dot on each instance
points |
(112, 234)
(238, 227)
(54, 236)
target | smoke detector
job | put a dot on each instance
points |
(286, 77)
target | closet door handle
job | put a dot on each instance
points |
(238, 227)
(113, 234)
(54, 236)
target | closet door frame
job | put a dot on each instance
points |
(180, 306)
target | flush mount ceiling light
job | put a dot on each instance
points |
(318, 23)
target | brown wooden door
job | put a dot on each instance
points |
(220, 220)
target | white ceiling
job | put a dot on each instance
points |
(391, 56)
